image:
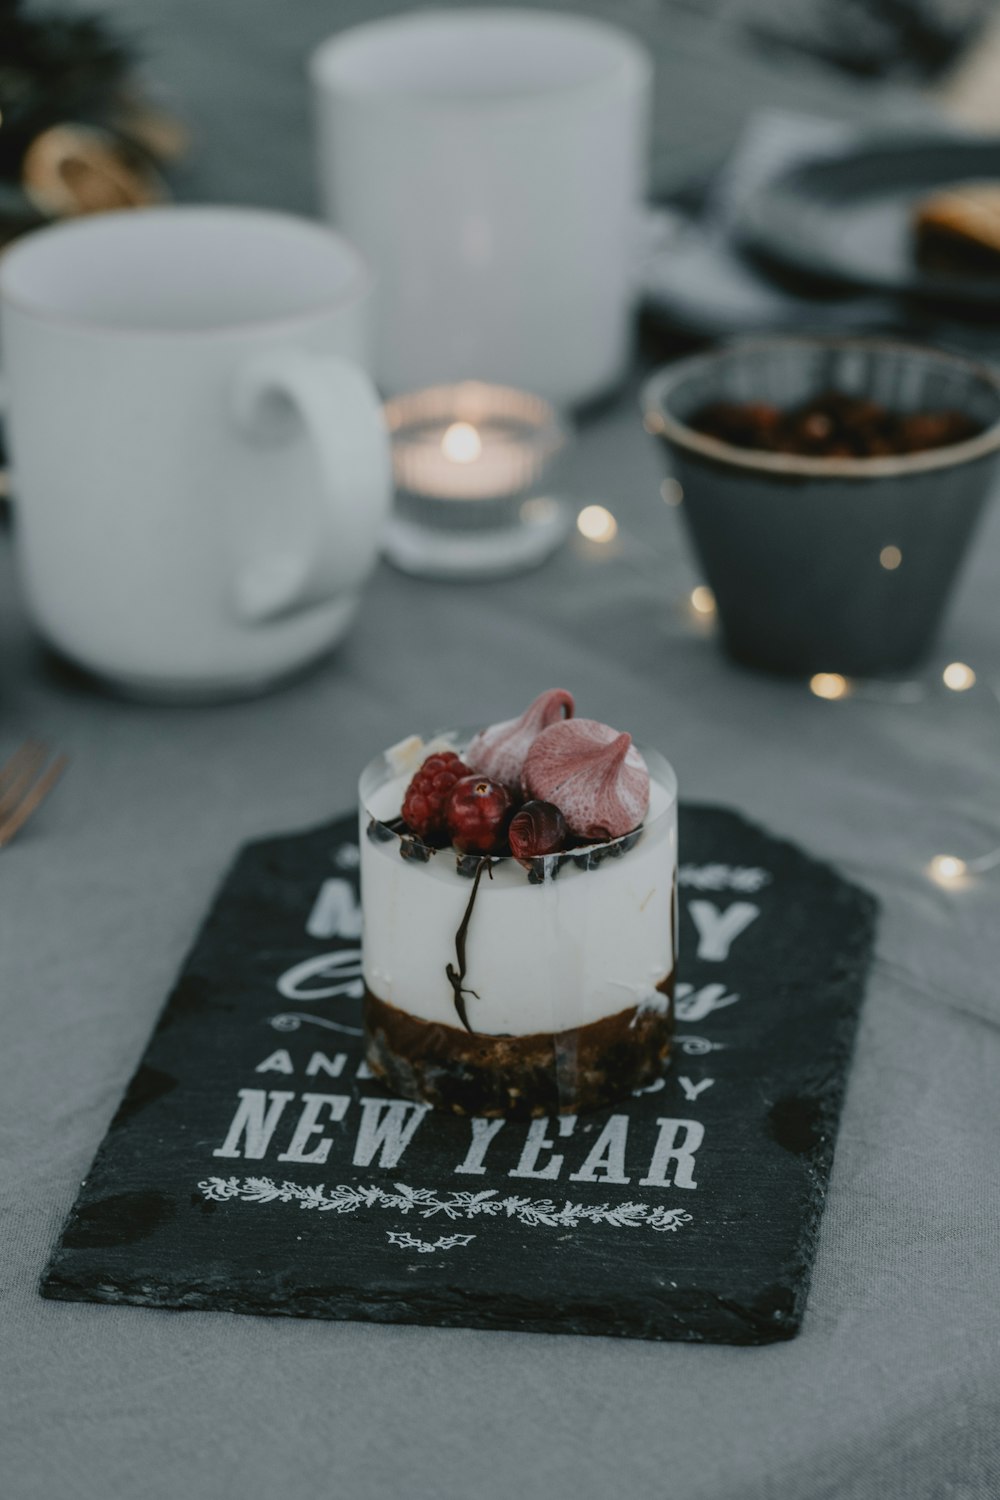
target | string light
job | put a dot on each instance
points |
(890, 558)
(947, 869)
(703, 601)
(833, 685)
(672, 492)
(958, 677)
(829, 685)
(597, 524)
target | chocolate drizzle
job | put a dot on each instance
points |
(410, 847)
(455, 976)
(383, 833)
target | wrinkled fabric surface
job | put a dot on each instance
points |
(891, 1390)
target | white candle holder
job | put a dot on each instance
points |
(473, 467)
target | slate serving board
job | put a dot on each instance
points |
(254, 1166)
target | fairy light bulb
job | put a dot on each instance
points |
(946, 869)
(958, 677)
(703, 601)
(597, 524)
(830, 685)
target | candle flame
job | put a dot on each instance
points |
(462, 443)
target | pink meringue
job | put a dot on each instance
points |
(499, 751)
(594, 775)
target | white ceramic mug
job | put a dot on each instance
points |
(491, 165)
(200, 466)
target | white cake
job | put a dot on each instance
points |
(495, 985)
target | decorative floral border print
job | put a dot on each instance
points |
(428, 1202)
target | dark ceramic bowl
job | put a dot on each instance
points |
(793, 547)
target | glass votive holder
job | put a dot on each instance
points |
(473, 468)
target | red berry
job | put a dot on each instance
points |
(478, 812)
(539, 828)
(424, 803)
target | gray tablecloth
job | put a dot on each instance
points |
(892, 1388)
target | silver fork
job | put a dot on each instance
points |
(26, 779)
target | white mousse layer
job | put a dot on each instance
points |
(547, 957)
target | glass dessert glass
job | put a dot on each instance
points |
(496, 986)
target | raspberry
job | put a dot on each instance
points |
(478, 811)
(424, 803)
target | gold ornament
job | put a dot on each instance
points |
(75, 169)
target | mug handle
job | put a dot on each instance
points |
(337, 403)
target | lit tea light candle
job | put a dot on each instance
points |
(468, 462)
(471, 441)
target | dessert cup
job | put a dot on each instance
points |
(495, 986)
(792, 545)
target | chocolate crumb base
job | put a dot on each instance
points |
(519, 1077)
